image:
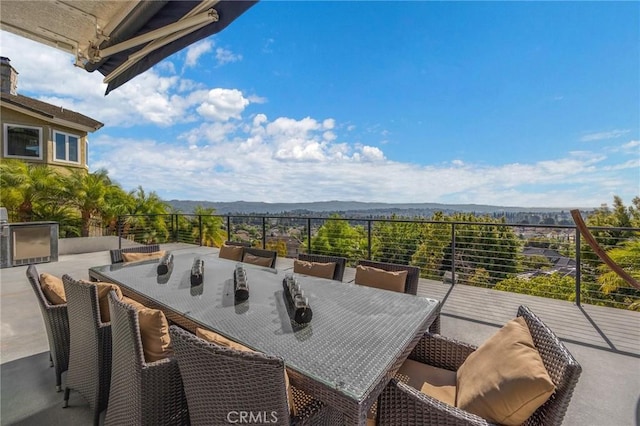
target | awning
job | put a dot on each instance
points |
(119, 39)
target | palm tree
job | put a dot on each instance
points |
(149, 224)
(86, 192)
(212, 233)
(24, 185)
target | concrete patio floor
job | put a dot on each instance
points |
(605, 341)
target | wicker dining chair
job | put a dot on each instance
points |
(142, 393)
(268, 254)
(56, 322)
(238, 243)
(411, 283)
(219, 380)
(90, 350)
(116, 254)
(402, 404)
(341, 262)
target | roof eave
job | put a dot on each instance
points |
(51, 118)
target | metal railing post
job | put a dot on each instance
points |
(453, 253)
(308, 235)
(369, 239)
(578, 268)
(228, 228)
(200, 225)
(264, 232)
(118, 224)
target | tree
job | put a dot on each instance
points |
(148, 215)
(553, 286)
(278, 245)
(213, 234)
(26, 185)
(86, 192)
(480, 243)
(395, 241)
(337, 238)
(628, 257)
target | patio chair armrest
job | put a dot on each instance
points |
(440, 351)
(399, 399)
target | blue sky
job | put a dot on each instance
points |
(532, 104)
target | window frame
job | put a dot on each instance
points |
(66, 147)
(23, 126)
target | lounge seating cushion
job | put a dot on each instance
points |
(231, 252)
(316, 269)
(154, 332)
(53, 289)
(433, 381)
(213, 337)
(103, 299)
(379, 278)
(257, 260)
(504, 380)
(139, 257)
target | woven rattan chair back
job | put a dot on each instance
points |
(562, 367)
(56, 323)
(116, 254)
(269, 254)
(141, 393)
(238, 243)
(410, 285)
(341, 262)
(221, 382)
(90, 350)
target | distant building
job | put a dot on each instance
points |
(38, 132)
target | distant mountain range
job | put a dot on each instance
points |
(353, 208)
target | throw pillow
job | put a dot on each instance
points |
(379, 278)
(316, 269)
(53, 289)
(504, 380)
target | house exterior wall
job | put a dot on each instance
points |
(12, 117)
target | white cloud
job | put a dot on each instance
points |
(221, 104)
(225, 56)
(221, 154)
(612, 134)
(195, 51)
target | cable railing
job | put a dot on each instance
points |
(543, 260)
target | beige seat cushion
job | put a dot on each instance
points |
(504, 380)
(317, 269)
(138, 257)
(154, 331)
(103, 299)
(433, 381)
(53, 289)
(379, 278)
(231, 252)
(213, 337)
(257, 260)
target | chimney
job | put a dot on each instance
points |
(8, 76)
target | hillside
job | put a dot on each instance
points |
(352, 208)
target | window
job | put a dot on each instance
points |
(67, 147)
(22, 141)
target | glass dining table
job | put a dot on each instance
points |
(357, 338)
